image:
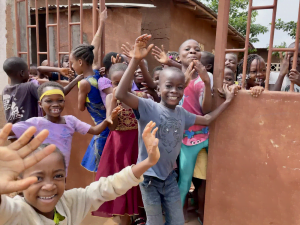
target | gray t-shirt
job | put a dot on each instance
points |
(171, 124)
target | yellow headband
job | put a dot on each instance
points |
(52, 92)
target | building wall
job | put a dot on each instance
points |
(120, 21)
(184, 25)
(263, 52)
(3, 77)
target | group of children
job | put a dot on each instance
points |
(126, 103)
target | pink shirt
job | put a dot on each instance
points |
(192, 101)
(103, 83)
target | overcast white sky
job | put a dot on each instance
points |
(287, 10)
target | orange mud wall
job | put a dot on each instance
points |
(254, 162)
(185, 25)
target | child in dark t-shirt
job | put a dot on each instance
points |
(20, 97)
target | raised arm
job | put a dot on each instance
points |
(208, 118)
(140, 51)
(97, 39)
(161, 56)
(207, 98)
(147, 77)
(284, 69)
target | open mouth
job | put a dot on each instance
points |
(173, 98)
(47, 198)
(55, 110)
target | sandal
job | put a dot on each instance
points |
(139, 221)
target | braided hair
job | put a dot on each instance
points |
(250, 59)
(84, 52)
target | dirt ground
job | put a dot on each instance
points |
(91, 220)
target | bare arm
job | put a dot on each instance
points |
(111, 104)
(97, 39)
(208, 118)
(84, 89)
(147, 77)
(122, 93)
(284, 69)
(140, 51)
(72, 84)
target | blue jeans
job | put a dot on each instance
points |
(162, 194)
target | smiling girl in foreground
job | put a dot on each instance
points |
(62, 128)
(42, 181)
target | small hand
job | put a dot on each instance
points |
(151, 143)
(67, 72)
(148, 90)
(189, 73)
(294, 77)
(14, 160)
(160, 55)
(103, 15)
(229, 94)
(256, 91)
(235, 87)
(284, 64)
(201, 70)
(128, 50)
(140, 47)
(114, 60)
(114, 115)
(71, 78)
(102, 71)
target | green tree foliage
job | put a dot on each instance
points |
(289, 27)
(238, 17)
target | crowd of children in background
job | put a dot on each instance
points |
(125, 102)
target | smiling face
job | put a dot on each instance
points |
(171, 84)
(45, 193)
(138, 78)
(257, 73)
(231, 62)
(292, 58)
(190, 50)
(53, 105)
(228, 77)
(77, 65)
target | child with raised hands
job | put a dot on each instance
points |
(62, 128)
(121, 150)
(160, 188)
(41, 172)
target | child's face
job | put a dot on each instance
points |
(257, 73)
(45, 193)
(65, 62)
(230, 62)
(171, 85)
(189, 51)
(156, 75)
(33, 71)
(228, 77)
(116, 77)
(138, 77)
(76, 64)
(53, 105)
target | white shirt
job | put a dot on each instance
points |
(74, 205)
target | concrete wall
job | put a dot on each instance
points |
(3, 77)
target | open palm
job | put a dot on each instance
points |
(140, 48)
(14, 160)
(160, 55)
(151, 142)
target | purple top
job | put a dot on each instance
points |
(134, 87)
(59, 134)
(103, 83)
